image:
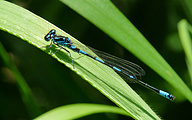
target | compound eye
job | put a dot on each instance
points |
(53, 32)
(47, 38)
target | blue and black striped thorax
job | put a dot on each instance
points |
(65, 41)
(61, 40)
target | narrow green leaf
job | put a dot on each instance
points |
(183, 29)
(104, 15)
(74, 111)
(24, 89)
(28, 26)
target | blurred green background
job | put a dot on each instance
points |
(54, 85)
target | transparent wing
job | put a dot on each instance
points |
(127, 67)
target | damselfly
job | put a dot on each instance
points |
(127, 69)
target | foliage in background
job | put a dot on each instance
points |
(55, 71)
(185, 29)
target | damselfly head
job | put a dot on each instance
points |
(50, 35)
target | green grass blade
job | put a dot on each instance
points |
(183, 29)
(24, 89)
(74, 111)
(104, 15)
(31, 28)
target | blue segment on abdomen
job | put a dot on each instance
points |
(163, 93)
(131, 76)
(80, 51)
(115, 68)
(99, 60)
